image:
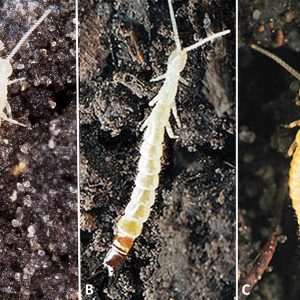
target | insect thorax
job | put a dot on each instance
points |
(177, 60)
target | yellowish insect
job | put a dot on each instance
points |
(294, 150)
(130, 226)
(19, 169)
(6, 71)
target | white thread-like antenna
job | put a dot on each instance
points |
(278, 60)
(174, 25)
(206, 40)
(28, 33)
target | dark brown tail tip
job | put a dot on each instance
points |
(113, 261)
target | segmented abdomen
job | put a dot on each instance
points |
(294, 182)
(138, 209)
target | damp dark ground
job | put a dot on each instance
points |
(267, 96)
(187, 248)
(38, 213)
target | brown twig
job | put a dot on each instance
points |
(139, 52)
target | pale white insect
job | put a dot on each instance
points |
(130, 226)
(6, 71)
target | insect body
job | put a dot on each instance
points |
(6, 71)
(294, 173)
(130, 226)
(294, 150)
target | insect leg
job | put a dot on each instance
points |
(294, 143)
(170, 132)
(154, 101)
(8, 109)
(16, 80)
(10, 120)
(293, 124)
(292, 148)
(298, 98)
(176, 117)
(158, 78)
(145, 124)
(183, 81)
(174, 25)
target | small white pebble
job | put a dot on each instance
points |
(73, 189)
(41, 252)
(20, 67)
(51, 246)
(19, 214)
(45, 218)
(256, 14)
(24, 148)
(14, 196)
(15, 223)
(31, 231)
(51, 144)
(27, 201)
(26, 184)
(52, 104)
(17, 276)
(20, 187)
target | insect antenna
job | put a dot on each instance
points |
(206, 40)
(174, 25)
(278, 60)
(28, 33)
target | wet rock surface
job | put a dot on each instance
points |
(187, 248)
(38, 181)
(267, 96)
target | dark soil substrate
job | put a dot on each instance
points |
(38, 213)
(267, 96)
(187, 248)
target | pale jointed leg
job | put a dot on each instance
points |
(158, 78)
(10, 120)
(183, 81)
(292, 148)
(153, 101)
(4, 117)
(170, 131)
(298, 98)
(294, 143)
(145, 124)
(175, 114)
(16, 80)
(8, 109)
(293, 124)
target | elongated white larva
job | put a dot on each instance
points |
(130, 226)
(6, 71)
(294, 150)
